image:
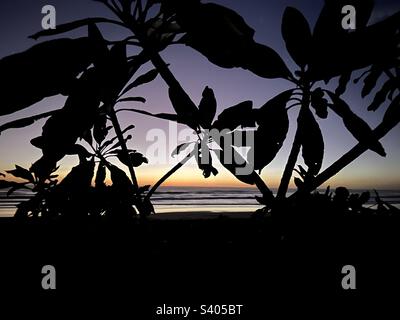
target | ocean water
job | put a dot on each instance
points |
(192, 199)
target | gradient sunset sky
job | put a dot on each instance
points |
(19, 19)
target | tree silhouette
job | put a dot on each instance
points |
(95, 75)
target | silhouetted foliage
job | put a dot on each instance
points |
(96, 75)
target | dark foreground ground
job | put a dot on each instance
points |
(265, 264)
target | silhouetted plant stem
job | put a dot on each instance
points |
(124, 148)
(382, 130)
(296, 147)
(265, 191)
(170, 173)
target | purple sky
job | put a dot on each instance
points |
(22, 18)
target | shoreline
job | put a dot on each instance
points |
(181, 216)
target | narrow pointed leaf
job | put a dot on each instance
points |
(143, 79)
(370, 81)
(133, 99)
(343, 82)
(392, 115)
(381, 96)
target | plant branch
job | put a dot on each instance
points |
(262, 186)
(294, 153)
(170, 173)
(382, 130)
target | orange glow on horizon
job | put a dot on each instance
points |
(191, 176)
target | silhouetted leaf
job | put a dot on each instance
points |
(101, 52)
(23, 173)
(100, 131)
(135, 159)
(62, 28)
(43, 167)
(226, 40)
(184, 107)
(217, 32)
(302, 172)
(114, 73)
(392, 115)
(133, 99)
(48, 68)
(381, 96)
(312, 142)
(357, 126)
(118, 144)
(62, 129)
(145, 78)
(297, 35)
(273, 122)
(238, 115)
(21, 123)
(343, 82)
(265, 62)
(128, 128)
(393, 90)
(319, 103)
(370, 81)
(207, 108)
(181, 148)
